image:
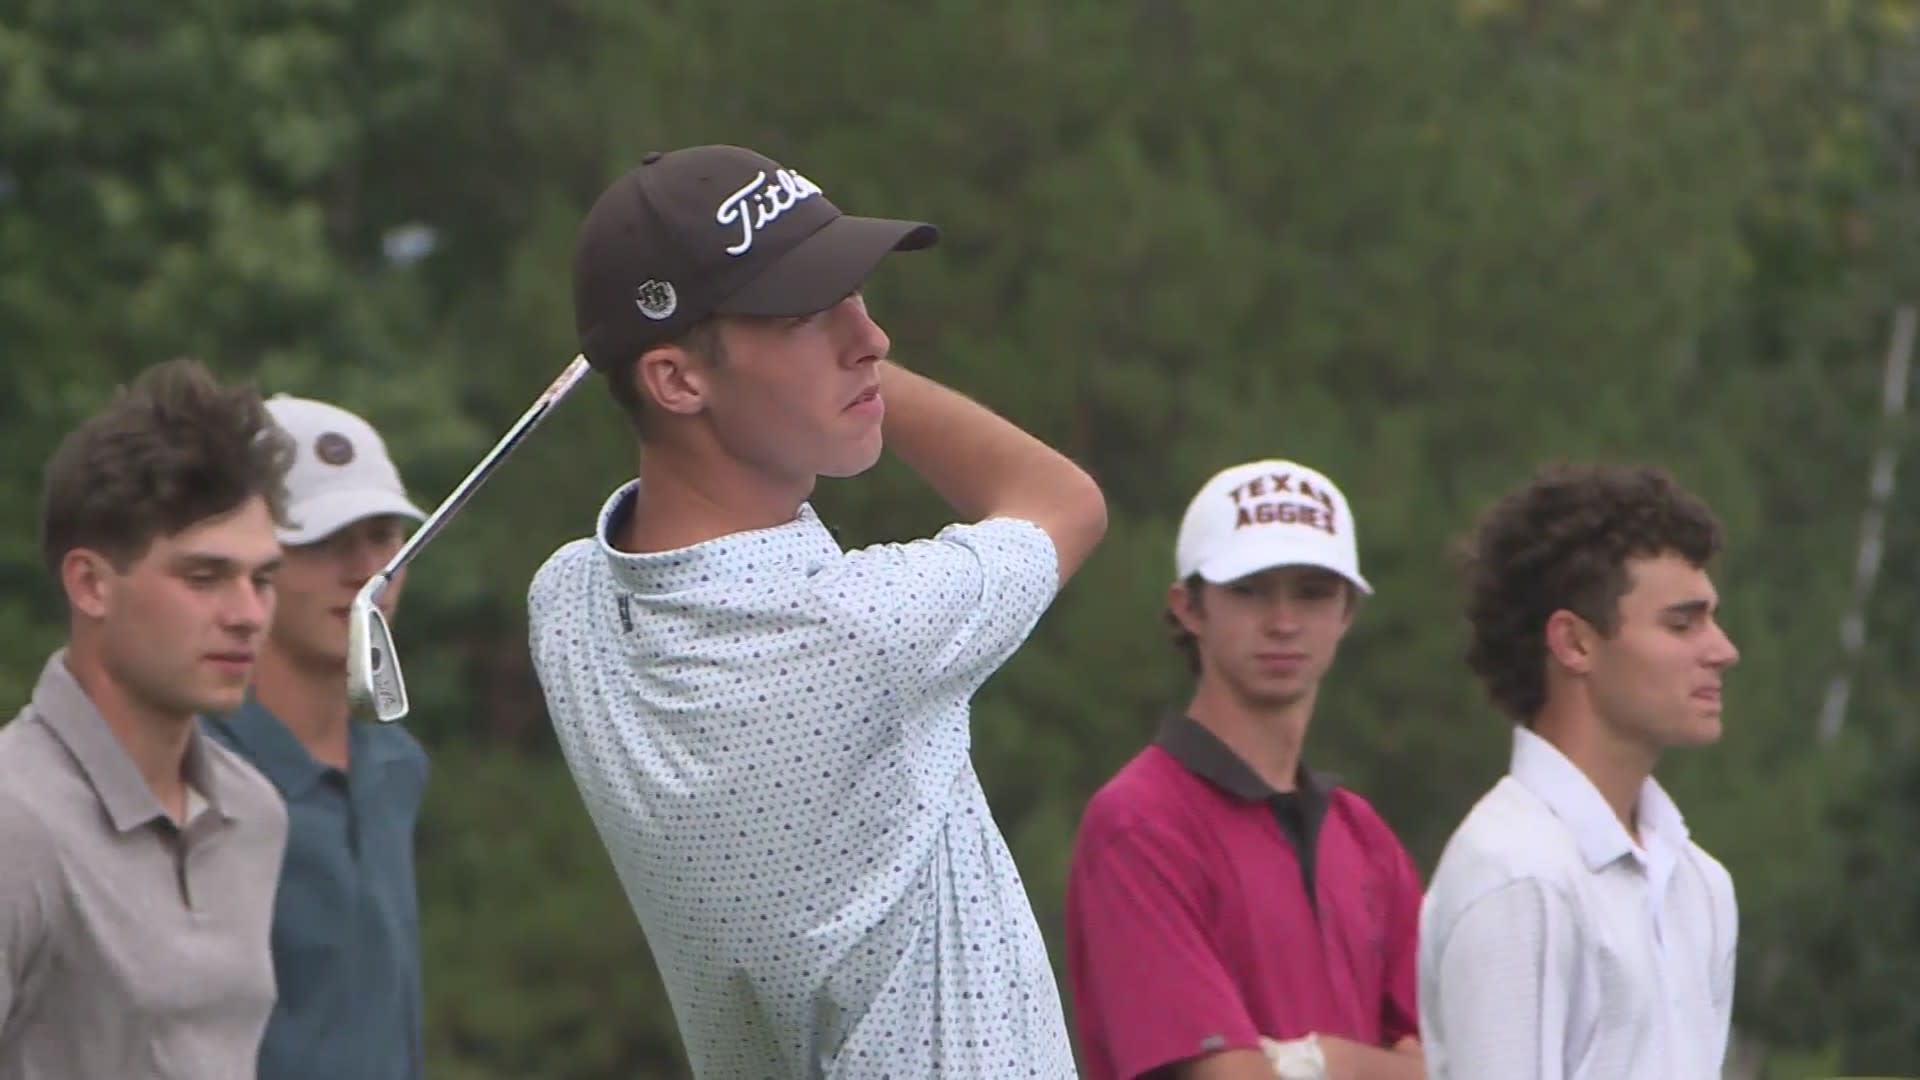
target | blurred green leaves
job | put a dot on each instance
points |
(1422, 249)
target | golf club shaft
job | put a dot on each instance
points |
(449, 506)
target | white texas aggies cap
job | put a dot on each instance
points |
(1264, 514)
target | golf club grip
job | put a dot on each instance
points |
(555, 393)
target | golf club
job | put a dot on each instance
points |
(373, 666)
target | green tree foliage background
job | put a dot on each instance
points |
(1423, 247)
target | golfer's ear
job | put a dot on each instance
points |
(672, 378)
(1182, 606)
(1570, 641)
(86, 578)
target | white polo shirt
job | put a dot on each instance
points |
(771, 736)
(1552, 947)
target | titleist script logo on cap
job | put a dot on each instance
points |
(1278, 499)
(760, 202)
(656, 299)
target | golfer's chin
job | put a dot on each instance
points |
(1696, 726)
(856, 458)
(215, 700)
(1701, 730)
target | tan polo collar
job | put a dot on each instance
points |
(73, 718)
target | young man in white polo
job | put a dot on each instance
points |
(346, 928)
(1232, 914)
(771, 732)
(1573, 930)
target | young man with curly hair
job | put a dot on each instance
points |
(1572, 929)
(138, 857)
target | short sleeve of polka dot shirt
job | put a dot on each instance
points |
(770, 735)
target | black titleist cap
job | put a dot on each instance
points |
(716, 230)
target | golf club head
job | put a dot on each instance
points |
(373, 668)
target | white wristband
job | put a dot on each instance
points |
(1296, 1059)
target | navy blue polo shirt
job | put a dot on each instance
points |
(346, 924)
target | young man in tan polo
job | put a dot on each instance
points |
(141, 858)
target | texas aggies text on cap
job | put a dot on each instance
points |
(716, 230)
(1264, 514)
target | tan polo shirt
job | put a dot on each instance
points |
(130, 948)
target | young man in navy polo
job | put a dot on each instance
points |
(1231, 913)
(346, 938)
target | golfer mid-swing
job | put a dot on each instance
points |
(769, 731)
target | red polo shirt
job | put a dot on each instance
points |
(1191, 924)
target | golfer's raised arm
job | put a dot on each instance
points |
(984, 466)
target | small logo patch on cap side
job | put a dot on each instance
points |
(333, 448)
(656, 299)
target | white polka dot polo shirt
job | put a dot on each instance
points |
(771, 737)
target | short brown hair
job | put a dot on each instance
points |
(1563, 541)
(702, 339)
(1183, 640)
(173, 449)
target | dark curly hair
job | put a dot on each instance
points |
(173, 449)
(1562, 541)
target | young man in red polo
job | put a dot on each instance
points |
(1231, 914)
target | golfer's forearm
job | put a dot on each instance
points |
(1225, 1065)
(1373, 1063)
(984, 466)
